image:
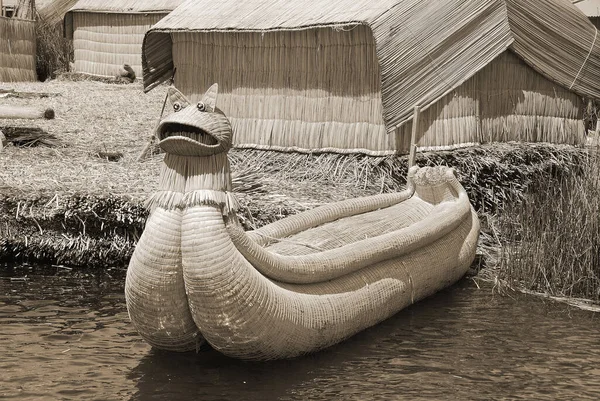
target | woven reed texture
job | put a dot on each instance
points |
(575, 64)
(391, 56)
(54, 11)
(318, 102)
(154, 287)
(505, 101)
(17, 50)
(103, 42)
(245, 315)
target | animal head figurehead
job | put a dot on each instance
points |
(194, 129)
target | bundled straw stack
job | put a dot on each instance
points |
(345, 76)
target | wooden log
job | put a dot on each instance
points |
(12, 112)
(25, 95)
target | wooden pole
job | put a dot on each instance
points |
(25, 112)
(413, 136)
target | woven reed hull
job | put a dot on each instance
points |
(154, 288)
(243, 314)
(251, 300)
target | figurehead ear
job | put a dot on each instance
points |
(176, 99)
(210, 98)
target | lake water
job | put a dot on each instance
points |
(67, 336)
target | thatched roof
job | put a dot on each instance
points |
(591, 8)
(126, 6)
(54, 11)
(117, 7)
(426, 48)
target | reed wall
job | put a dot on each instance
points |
(505, 101)
(290, 90)
(319, 89)
(17, 50)
(103, 42)
(519, 104)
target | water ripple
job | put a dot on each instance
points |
(70, 338)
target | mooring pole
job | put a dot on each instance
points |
(413, 136)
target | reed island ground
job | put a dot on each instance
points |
(75, 197)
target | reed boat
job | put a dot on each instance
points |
(295, 286)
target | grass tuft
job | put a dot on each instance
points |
(552, 237)
(53, 52)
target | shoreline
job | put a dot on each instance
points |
(66, 206)
(100, 230)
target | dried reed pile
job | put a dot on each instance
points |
(17, 50)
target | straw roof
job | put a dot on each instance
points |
(425, 48)
(54, 11)
(126, 6)
(591, 8)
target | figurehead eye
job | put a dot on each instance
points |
(201, 106)
(177, 106)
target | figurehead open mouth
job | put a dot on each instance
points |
(194, 129)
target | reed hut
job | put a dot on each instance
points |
(591, 8)
(17, 41)
(345, 76)
(108, 33)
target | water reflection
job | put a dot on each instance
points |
(67, 336)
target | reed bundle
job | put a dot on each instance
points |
(53, 52)
(17, 50)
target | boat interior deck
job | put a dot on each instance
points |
(354, 228)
